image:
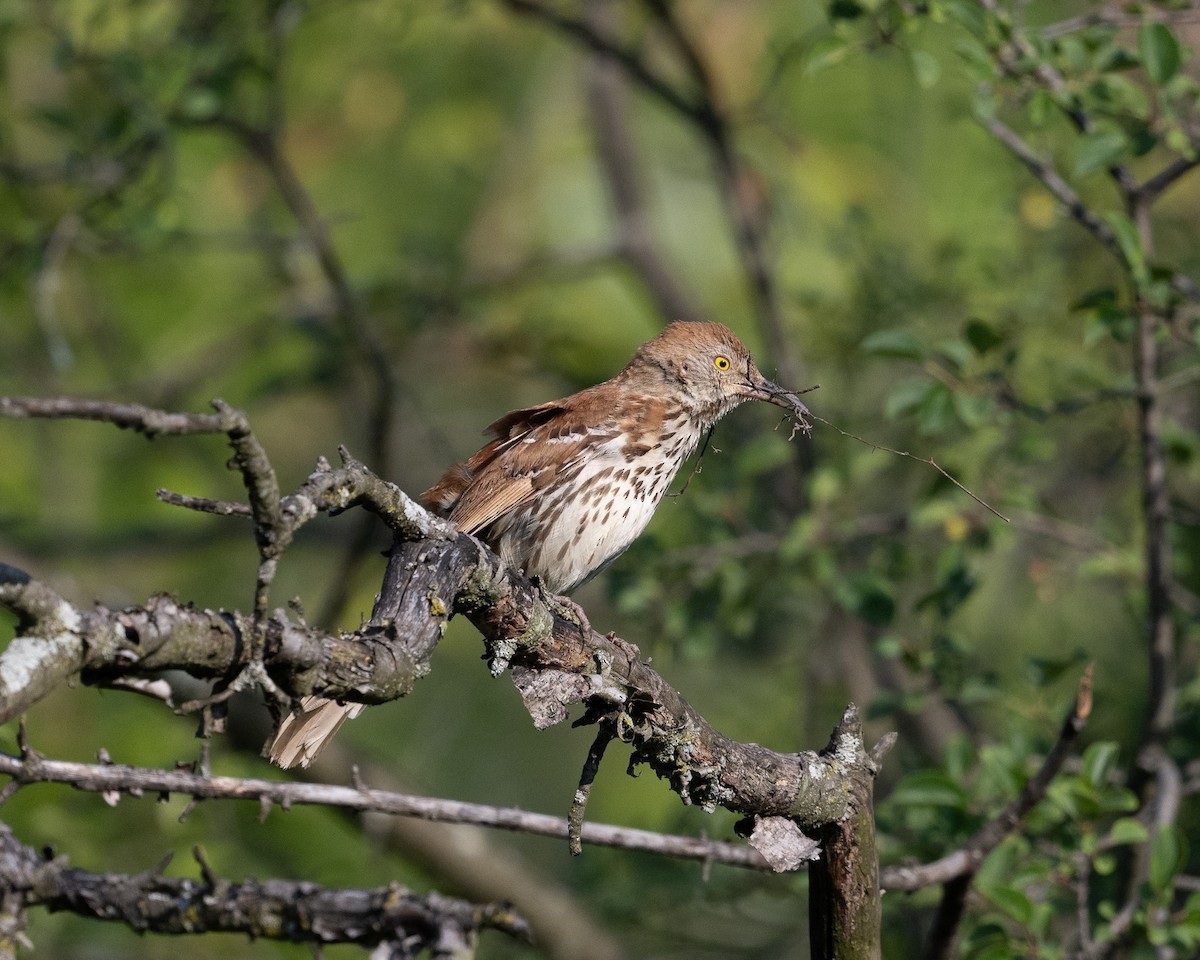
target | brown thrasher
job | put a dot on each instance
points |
(565, 487)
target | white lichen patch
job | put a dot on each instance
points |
(27, 656)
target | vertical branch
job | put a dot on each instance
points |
(608, 101)
(265, 145)
(944, 932)
(745, 212)
(1138, 204)
(263, 141)
(703, 112)
(845, 915)
(1160, 625)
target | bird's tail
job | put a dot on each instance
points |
(305, 731)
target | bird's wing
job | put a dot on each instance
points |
(532, 448)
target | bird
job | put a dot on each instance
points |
(563, 488)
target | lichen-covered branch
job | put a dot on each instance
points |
(433, 572)
(296, 912)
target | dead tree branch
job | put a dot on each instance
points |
(114, 780)
(296, 912)
(433, 572)
(967, 860)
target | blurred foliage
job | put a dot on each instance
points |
(159, 160)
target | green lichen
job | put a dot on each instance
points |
(539, 628)
(481, 589)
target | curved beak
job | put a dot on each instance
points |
(758, 387)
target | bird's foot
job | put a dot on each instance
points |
(564, 605)
(580, 617)
(631, 650)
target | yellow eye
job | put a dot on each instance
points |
(721, 363)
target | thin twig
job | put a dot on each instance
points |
(584, 33)
(966, 861)
(222, 508)
(1156, 184)
(944, 932)
(1053, 181)
(1119, 18)
(591, 766)
(102, 778)
(929, 461)
(128, 416)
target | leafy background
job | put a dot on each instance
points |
(944, 301)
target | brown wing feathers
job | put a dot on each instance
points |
(505, 473)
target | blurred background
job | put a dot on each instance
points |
(384, 224)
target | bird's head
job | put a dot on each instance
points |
(711, 371)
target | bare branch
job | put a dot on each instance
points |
(607, 97)
(743, 206)
(1162, 813)
(966, 861)
(1153, 187)
(583, 792)
(929, 461)
(127, 416)
(1054, 182)
(584, 33)
(746, 207)
(135, 781)
(297, 912)
(1156, 511)
(1113, 17)
(222, 508)
(427, 579)
(944, 932)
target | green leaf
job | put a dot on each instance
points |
(1046, 670)
(1099, 150)
(929, 788)
(826, 52)
(907, 397)
(979, 64)
(926, 68)
(1104, 864)
(973, 410)
(200, 103)
(1128, 830)
(1159, 50)
(1013, 902)
(956, 353)
(1168, 854)
(953, 588)
(1116, 58)
(867, 596)
(1131, 245)
(845, 10)
(970, 14)
(1098, 759)
(889, 647)
(937, 410)
(893, 343)
(1040, 107)
(1098, 297)
(981, 335)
